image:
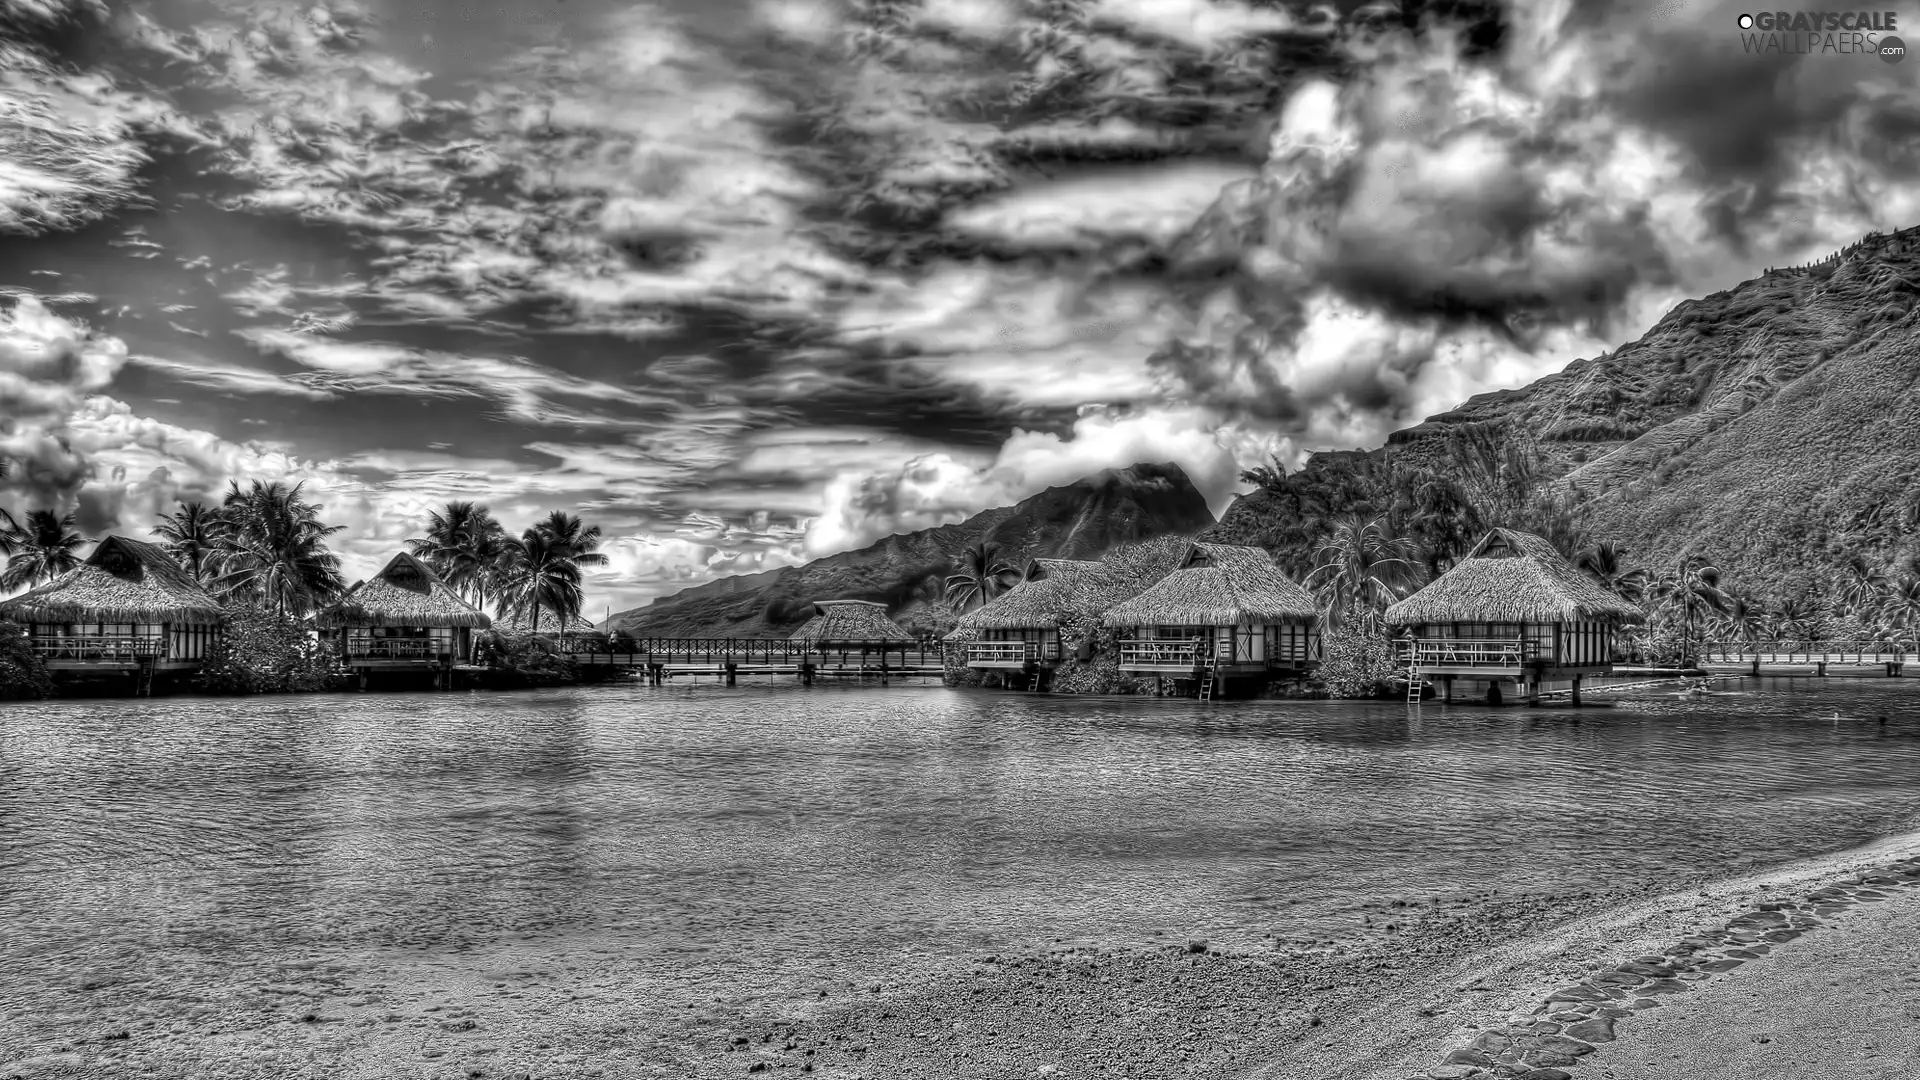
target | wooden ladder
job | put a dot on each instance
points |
(143, 681)
(1413, 682)
(1212, 677)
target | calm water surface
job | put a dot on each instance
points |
(713, 833)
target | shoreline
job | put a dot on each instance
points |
(1532, 970)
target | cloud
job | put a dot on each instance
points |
(938, 488)
(1153, 204)
(49, 366)
(1201, 24)
(70, 149)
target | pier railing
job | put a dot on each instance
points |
(1466, 652)
(102, 647)
(1806, 652)
(772, 652)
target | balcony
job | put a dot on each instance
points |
(416, 649)
(1465, 653)
(1180, 653)
(1002, 653)
(101, 648)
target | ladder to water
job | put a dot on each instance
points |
(1212, 677)
(143, 681)
(1413, 682)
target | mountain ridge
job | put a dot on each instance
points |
(1767, 427)
(1080, 520)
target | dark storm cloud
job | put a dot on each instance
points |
(1234, 378)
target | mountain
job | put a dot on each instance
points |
(1081, 520)
(1773, 428)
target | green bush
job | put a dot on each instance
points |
(22, 675)
(1358, 664)
(530, 659)
(263, 652)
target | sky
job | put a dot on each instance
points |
(748, 282)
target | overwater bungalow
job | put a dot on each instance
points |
(575, 626)
(851, 626)
(402, 619)
(1022, 625)
(129, 609)
(1513, 610)
(1228, 611)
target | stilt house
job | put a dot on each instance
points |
(1515, 610)
(1227, 610)
(128, 608)
(403, 618)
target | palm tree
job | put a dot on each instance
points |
(464, 545)
(38, 550)
(1742, 620)
(1362, 567)
(1901, 608)
(537, 574)
(192, 536)
(1606, 563)
(981, 576)
(273, 550)
(1861, 583)
(1691, 587)
(573, 539)
(1792, 618)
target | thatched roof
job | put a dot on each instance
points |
(1218, 585)
(1512, 577)
(404, 593)
(122, 581)
(1052, 588)
(549, 624)
(851, 621)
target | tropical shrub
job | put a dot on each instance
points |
(263, 652)
(529, 659)
(1100, 673)
(22, 675)
(1356, 663)
(953, 662)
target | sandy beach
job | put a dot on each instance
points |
(1837, 1001)
(1844, 1003)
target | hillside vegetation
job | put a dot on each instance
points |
(1772, 429)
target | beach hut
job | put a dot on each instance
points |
(128, 608)
(1226, 612)
(403, 618)
(576, 626)
(843, 625)
(1513, 610)
(1022, 625)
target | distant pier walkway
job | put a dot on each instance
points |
(727, 659)
(1854, 658)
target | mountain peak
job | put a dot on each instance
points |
(1079, 520)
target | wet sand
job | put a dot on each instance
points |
(1842, 1004)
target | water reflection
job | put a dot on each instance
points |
(843, 825)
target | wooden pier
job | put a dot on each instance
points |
(661, 659)
(1872, 659)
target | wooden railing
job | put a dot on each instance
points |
(397, 648)
(1806, 652)
(771, 651)
(101, 647)
(1002, 652)
(1466, 652)
(1169, 652)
